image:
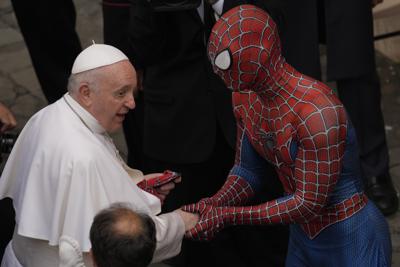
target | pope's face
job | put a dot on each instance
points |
(112, 101)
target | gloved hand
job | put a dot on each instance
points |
(236, 191)
(217, 210)
(214, 219)
(210, 223)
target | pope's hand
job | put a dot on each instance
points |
(7, 119)
(160, 184)
(189, 219)
(211, 221)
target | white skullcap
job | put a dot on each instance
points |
(95, 56)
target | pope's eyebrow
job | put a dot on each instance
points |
(121, 90)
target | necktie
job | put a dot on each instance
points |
(209, 20)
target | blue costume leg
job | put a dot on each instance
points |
(361, 240)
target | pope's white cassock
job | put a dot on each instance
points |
(63, 169)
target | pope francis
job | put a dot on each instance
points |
(64, 167)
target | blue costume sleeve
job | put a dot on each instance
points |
(249, 165)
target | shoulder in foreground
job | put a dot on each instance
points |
(323, 110)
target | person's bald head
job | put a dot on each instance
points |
(128, 223)
(121, 237)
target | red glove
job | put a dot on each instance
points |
(210, 223)
(214, 219)
(236, 191)
(214, 210)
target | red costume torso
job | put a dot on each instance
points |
(275, 120)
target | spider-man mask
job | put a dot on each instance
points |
(244, 48)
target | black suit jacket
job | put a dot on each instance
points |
(184, 101)
(344, 26)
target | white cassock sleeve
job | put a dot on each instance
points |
(169, 226)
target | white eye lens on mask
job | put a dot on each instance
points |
(223, 60)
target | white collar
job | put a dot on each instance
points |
(84, 115)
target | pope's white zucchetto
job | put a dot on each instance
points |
(96, 56)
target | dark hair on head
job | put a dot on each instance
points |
(132, 245)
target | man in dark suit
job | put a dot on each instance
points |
(187, 121)
(49, 32)
(346, 29)
(7, 122)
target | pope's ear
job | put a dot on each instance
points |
(85, 94)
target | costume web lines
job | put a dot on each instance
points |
(277, 108)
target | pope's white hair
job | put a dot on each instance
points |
(89, 77)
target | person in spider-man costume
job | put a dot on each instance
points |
(297, 124)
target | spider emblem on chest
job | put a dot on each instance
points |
(267, 141)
